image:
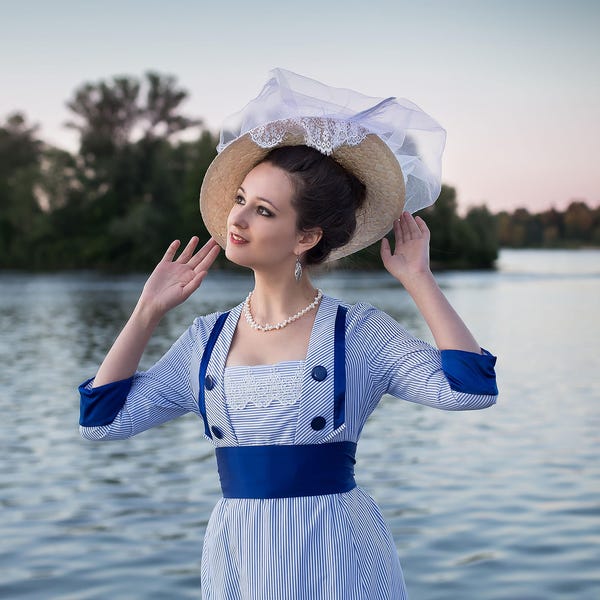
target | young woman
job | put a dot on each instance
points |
(285, 381)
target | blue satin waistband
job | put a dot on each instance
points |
(286, 471)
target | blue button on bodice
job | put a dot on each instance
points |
(217, 432)
(318, 423)
(209, 382)
(319, 373)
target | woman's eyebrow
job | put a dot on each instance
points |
(262, 199)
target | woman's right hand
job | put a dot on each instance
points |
(174, 280)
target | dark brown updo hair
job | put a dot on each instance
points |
(327, 196)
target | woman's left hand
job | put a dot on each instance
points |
(411, 249)
(409, 264)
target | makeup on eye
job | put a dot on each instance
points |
(263, 210)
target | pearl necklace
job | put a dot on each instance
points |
(281, 325)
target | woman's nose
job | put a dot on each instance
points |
(237, 217)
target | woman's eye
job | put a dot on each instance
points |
(261, 210)
(265, 212)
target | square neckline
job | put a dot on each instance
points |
(308, 348)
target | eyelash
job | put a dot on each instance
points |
(262, 210)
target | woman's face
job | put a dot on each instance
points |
(261, 227)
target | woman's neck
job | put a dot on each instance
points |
(275, 298)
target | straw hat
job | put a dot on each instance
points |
(390, 145)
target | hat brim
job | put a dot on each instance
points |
(371, 161)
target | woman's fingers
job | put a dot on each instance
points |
(188, 251)
(411, 251)
(191, 286)
(187, 256)
(404, 227)
(171, 250)
(201, 269)
(210, 246)
(208, 258)
(422, 226)
(410, 227)
(415, 230)
(385, 249)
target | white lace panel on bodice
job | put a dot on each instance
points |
(263, 402)
(263, 385)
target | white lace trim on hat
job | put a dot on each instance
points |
(323, 134)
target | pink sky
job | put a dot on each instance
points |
(516, 85)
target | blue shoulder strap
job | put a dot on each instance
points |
(339, 368)
(214, 334)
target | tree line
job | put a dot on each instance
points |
(134, 182)
(577, 226)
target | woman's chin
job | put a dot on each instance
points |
(235, 256)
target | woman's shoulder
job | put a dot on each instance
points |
(204, 324)
(371, 331)
(362, 313)
(358, 308)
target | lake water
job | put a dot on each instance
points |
(502, 503)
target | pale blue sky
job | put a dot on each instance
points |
(516, 84)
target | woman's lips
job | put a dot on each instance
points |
(237, 239)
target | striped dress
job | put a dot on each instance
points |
(331, 546)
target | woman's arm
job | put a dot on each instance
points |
(409, 264)
(170, 284)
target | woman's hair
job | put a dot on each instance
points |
(326, 196)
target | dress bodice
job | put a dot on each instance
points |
(262, 401)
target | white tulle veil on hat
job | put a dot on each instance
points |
(390, 144)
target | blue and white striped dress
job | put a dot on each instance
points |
(333, 546)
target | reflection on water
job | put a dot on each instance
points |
(495, 504)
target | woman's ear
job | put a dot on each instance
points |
(308, 239)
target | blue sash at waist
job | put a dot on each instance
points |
(286, 471)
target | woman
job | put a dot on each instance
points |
(285, 381)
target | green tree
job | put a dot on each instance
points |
(521, 227)
(193, 160)
(578, 225)
(456, 243)
(132, 175)
(20, 212)
(447, 234)
(579, 222)
(553, 227)
(483, 228)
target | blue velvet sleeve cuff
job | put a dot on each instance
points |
(100, 405)
(469, 372)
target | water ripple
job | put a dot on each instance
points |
(498, 504)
